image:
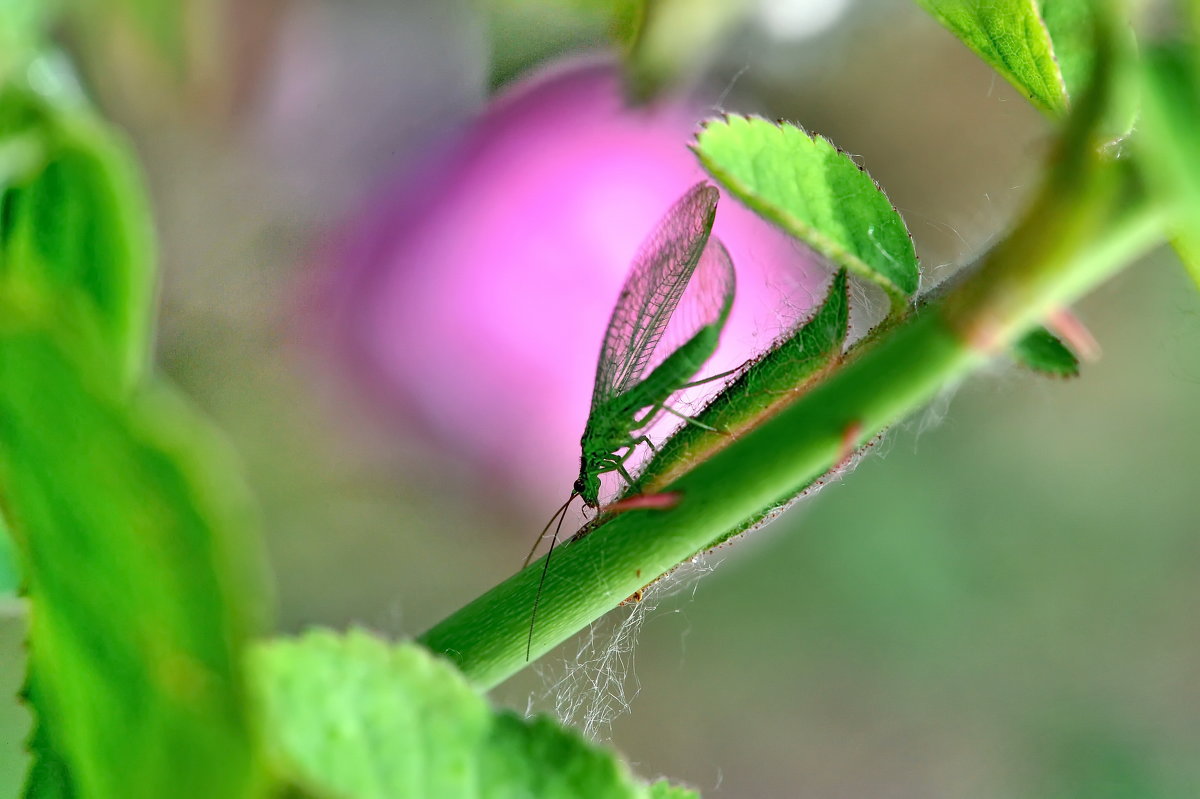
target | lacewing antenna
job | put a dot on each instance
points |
(561, 514)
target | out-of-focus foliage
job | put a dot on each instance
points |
(133, 534)
(10, 574)
(21, 26)
(74, 223)
(162, 23)
(1041, 351)
(661, 41)
(523, 32)
(674, 37)
(665, 790)
(354, 716)
(129, 526)
(1170, 141)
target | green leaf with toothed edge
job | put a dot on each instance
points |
(1041, 351)
(815, 192)
(1011, 36)
(1047, 50)
(352, 715)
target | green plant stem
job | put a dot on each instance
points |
(1077, 234)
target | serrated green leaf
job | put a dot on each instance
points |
(126, 518)
(354, 716)
(48, 776)
(1047, 50)
(75, 225)
(1169, 140)
(1011, 36)
(765, 386)
(815, 192)
(1041, 351)
(538, 758)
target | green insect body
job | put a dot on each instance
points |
(679, 262)
(614, 425)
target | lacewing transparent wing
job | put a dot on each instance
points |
(625, 399)
(661, 270)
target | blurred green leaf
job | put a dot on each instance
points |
(22, 28)
(1041, 351)
(127, 516)
(673, 38)
(354, 716)
(525, 32)
(1071, 25)
(10, 574)
(162, 23)
(1011, 36)
(665, 790)
(1169, 136)
(815, 192)
(75, 223)
(48, 776)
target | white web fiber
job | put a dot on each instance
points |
(598, 684)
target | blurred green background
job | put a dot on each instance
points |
(1000, 601)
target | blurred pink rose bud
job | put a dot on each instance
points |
(476, 289)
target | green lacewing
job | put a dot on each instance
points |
(678, 261)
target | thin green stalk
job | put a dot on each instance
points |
(1075, 236)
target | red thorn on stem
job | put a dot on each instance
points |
(1070, 329)
(850, 436)
(663, 501)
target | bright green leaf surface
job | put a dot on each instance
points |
(354, 716)
(126, 519)
(75, 224)
(1170, 139)
(1011, 37)
(815, 192)
(1041, 351)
